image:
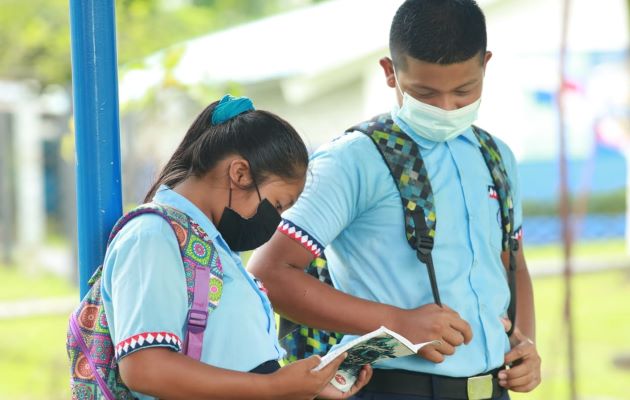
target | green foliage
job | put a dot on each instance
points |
(35, 34)
(35, 40)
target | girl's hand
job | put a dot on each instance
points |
(331, 392)
(298, 381)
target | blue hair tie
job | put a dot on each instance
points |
(229, 107)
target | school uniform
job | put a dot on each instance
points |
(351, 210)
(145, 296)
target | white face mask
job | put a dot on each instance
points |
(434, 123)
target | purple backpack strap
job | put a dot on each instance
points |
(197, 319)
(198, 314)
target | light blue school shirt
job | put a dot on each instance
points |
(352, 208)
(144, 293)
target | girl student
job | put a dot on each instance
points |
(234, 172)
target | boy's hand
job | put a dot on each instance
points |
(331, 392)
(432, 322)
(524, 373)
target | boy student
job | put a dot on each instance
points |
(351, 207)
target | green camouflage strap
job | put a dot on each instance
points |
(492, 157)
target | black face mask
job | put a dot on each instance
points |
(243, 234)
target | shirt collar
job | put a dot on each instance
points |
(169, 197)
(425, 143)
(469, 134)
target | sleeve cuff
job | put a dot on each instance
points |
(301, 236)
(146, 340)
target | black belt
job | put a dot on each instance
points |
(396, 381)
(267, 367)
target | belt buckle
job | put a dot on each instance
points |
(479, 387)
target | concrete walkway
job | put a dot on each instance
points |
(37, 307)
(542, 268)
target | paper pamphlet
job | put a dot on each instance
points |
(370, 348)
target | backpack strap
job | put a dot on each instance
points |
(197, 318)
(301, 341)
(406, 166)
(204, 273)
(404, 161)
(509, 243)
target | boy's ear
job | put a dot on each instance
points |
(486, 58)
(240, 173)
(388, 68)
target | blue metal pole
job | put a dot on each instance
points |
(97, 138)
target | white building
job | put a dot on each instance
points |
(318, 68)
(25, 123)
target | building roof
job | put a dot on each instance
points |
(301, 42)
(323, 37)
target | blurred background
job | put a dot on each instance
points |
(316, 64)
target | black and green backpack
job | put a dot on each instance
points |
(402, 156)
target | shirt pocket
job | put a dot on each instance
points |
(495, 231)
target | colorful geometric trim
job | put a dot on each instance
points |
(492, 193)
(518, 233)
(145, 340)
(301, 236)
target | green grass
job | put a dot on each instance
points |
(604, 249)
(16, 284)
(33, 362)
(57, 241)
(613, 202)
(602, 328)
(32, 354)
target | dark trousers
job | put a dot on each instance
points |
(406, 385)
(363, 395)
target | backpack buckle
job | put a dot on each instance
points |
(424, 247)
(425, 244)
(197, 320)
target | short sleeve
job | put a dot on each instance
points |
(511, 168)
(144, 287)
(339, 187)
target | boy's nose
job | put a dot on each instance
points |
(446, 103)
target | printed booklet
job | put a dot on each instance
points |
(370, 348)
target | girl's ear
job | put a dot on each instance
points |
(240, 173)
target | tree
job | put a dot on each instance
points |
(35, 34)
(35, 40)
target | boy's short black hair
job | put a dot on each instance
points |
(438, 31)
